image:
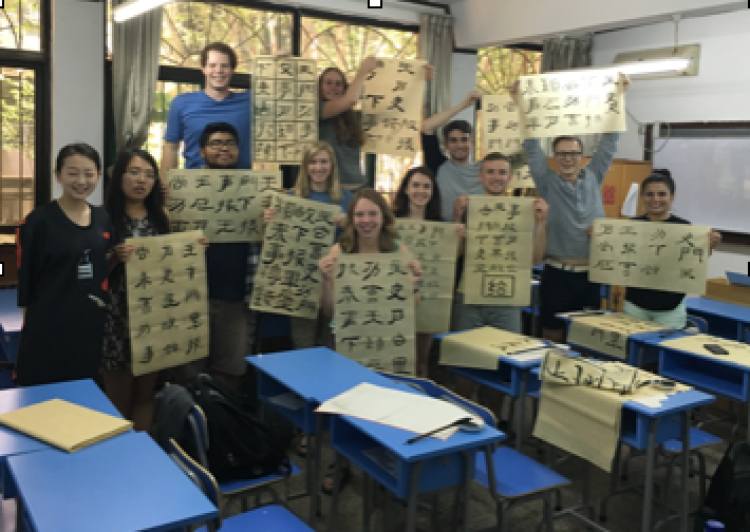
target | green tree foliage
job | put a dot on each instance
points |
(498, 68)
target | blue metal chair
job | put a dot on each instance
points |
(233, 489)
(518, 478)
(699, 323)
(271, 518)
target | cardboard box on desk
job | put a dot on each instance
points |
(722, 290)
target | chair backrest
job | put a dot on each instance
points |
(199, 429)
(432, 389)
(200, 476)
(699, 323)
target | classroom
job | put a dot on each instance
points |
(189, 339)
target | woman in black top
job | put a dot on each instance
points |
(135, 202)
(62, 252)
(660, 306)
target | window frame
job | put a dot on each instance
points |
(41, 65)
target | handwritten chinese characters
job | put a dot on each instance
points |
(288, 280)
(392, 107)
(664, 256)
(435, 245)
(608, 333)
(560, 368)
(285, 108)
(571, 103)
(482, 348)
(167, 301)
(501, 133)
(374, 311)
(225, 204)
(499, 246)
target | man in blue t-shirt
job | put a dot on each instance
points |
(190, 113)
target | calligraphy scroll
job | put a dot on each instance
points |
(499, 245)
(285, 108)
(374, 311)
(288, 279)
(226, 205)
(483, 347)
(571, 103)
(167, 301)
(608, 333)
(664, 256)
(392, 107)
(435, 245)
(501, 133)
(737, 352)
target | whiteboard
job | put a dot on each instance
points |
(712, 176)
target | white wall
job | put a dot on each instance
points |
(718, 93)
(77, 79)
(481, 23)
(392, 11)
(463, 80)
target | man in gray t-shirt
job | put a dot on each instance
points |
(456, 175)
(573, 192)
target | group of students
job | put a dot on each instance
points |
(71, 254)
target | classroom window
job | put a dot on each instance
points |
(166, 91)
(497, 69)
(17, 123)
(20, 25)
(344, 45)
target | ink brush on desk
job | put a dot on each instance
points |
(439, 429)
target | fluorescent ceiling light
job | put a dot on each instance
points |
(136, 7)
(654, 66)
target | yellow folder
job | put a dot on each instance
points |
(65, 425)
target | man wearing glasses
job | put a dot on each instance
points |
(190, 113)
(573, 193)
(230, 273)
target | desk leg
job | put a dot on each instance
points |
(535, 310)
(684, 514)
(366, 502)
(20, 510)
(648, 489)
(411, 509)
(313, 471)
(333, 518)
(468, 477)
(521, 409)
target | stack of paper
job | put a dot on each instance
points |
(407, 411)
(65, 425)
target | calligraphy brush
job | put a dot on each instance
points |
(449, 425)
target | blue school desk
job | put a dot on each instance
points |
(511, 378)
(318, 374)
(83, 392)
(643, 427)
(123, 484)
(724, 319)
(11, 321)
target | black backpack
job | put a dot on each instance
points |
(241, 444)
(728, 498)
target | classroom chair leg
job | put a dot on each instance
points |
(613, 483)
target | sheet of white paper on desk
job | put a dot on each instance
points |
(534, 354)
(630, 205)
(654, 401)
(289, 400)
(407, 411)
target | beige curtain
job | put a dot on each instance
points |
(565, 53)
(436, 47)
(135, 71)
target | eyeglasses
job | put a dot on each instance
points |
(135, 172)
(563, 154)
(218, 144)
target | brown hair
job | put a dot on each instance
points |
(388, 234)
(348, 126)
(461, 125)
(302, 186)
(222, 49)
(493, 156)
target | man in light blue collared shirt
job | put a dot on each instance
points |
(573, 193)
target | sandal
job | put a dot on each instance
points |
(344, 478)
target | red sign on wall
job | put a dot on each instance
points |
(609, 193)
